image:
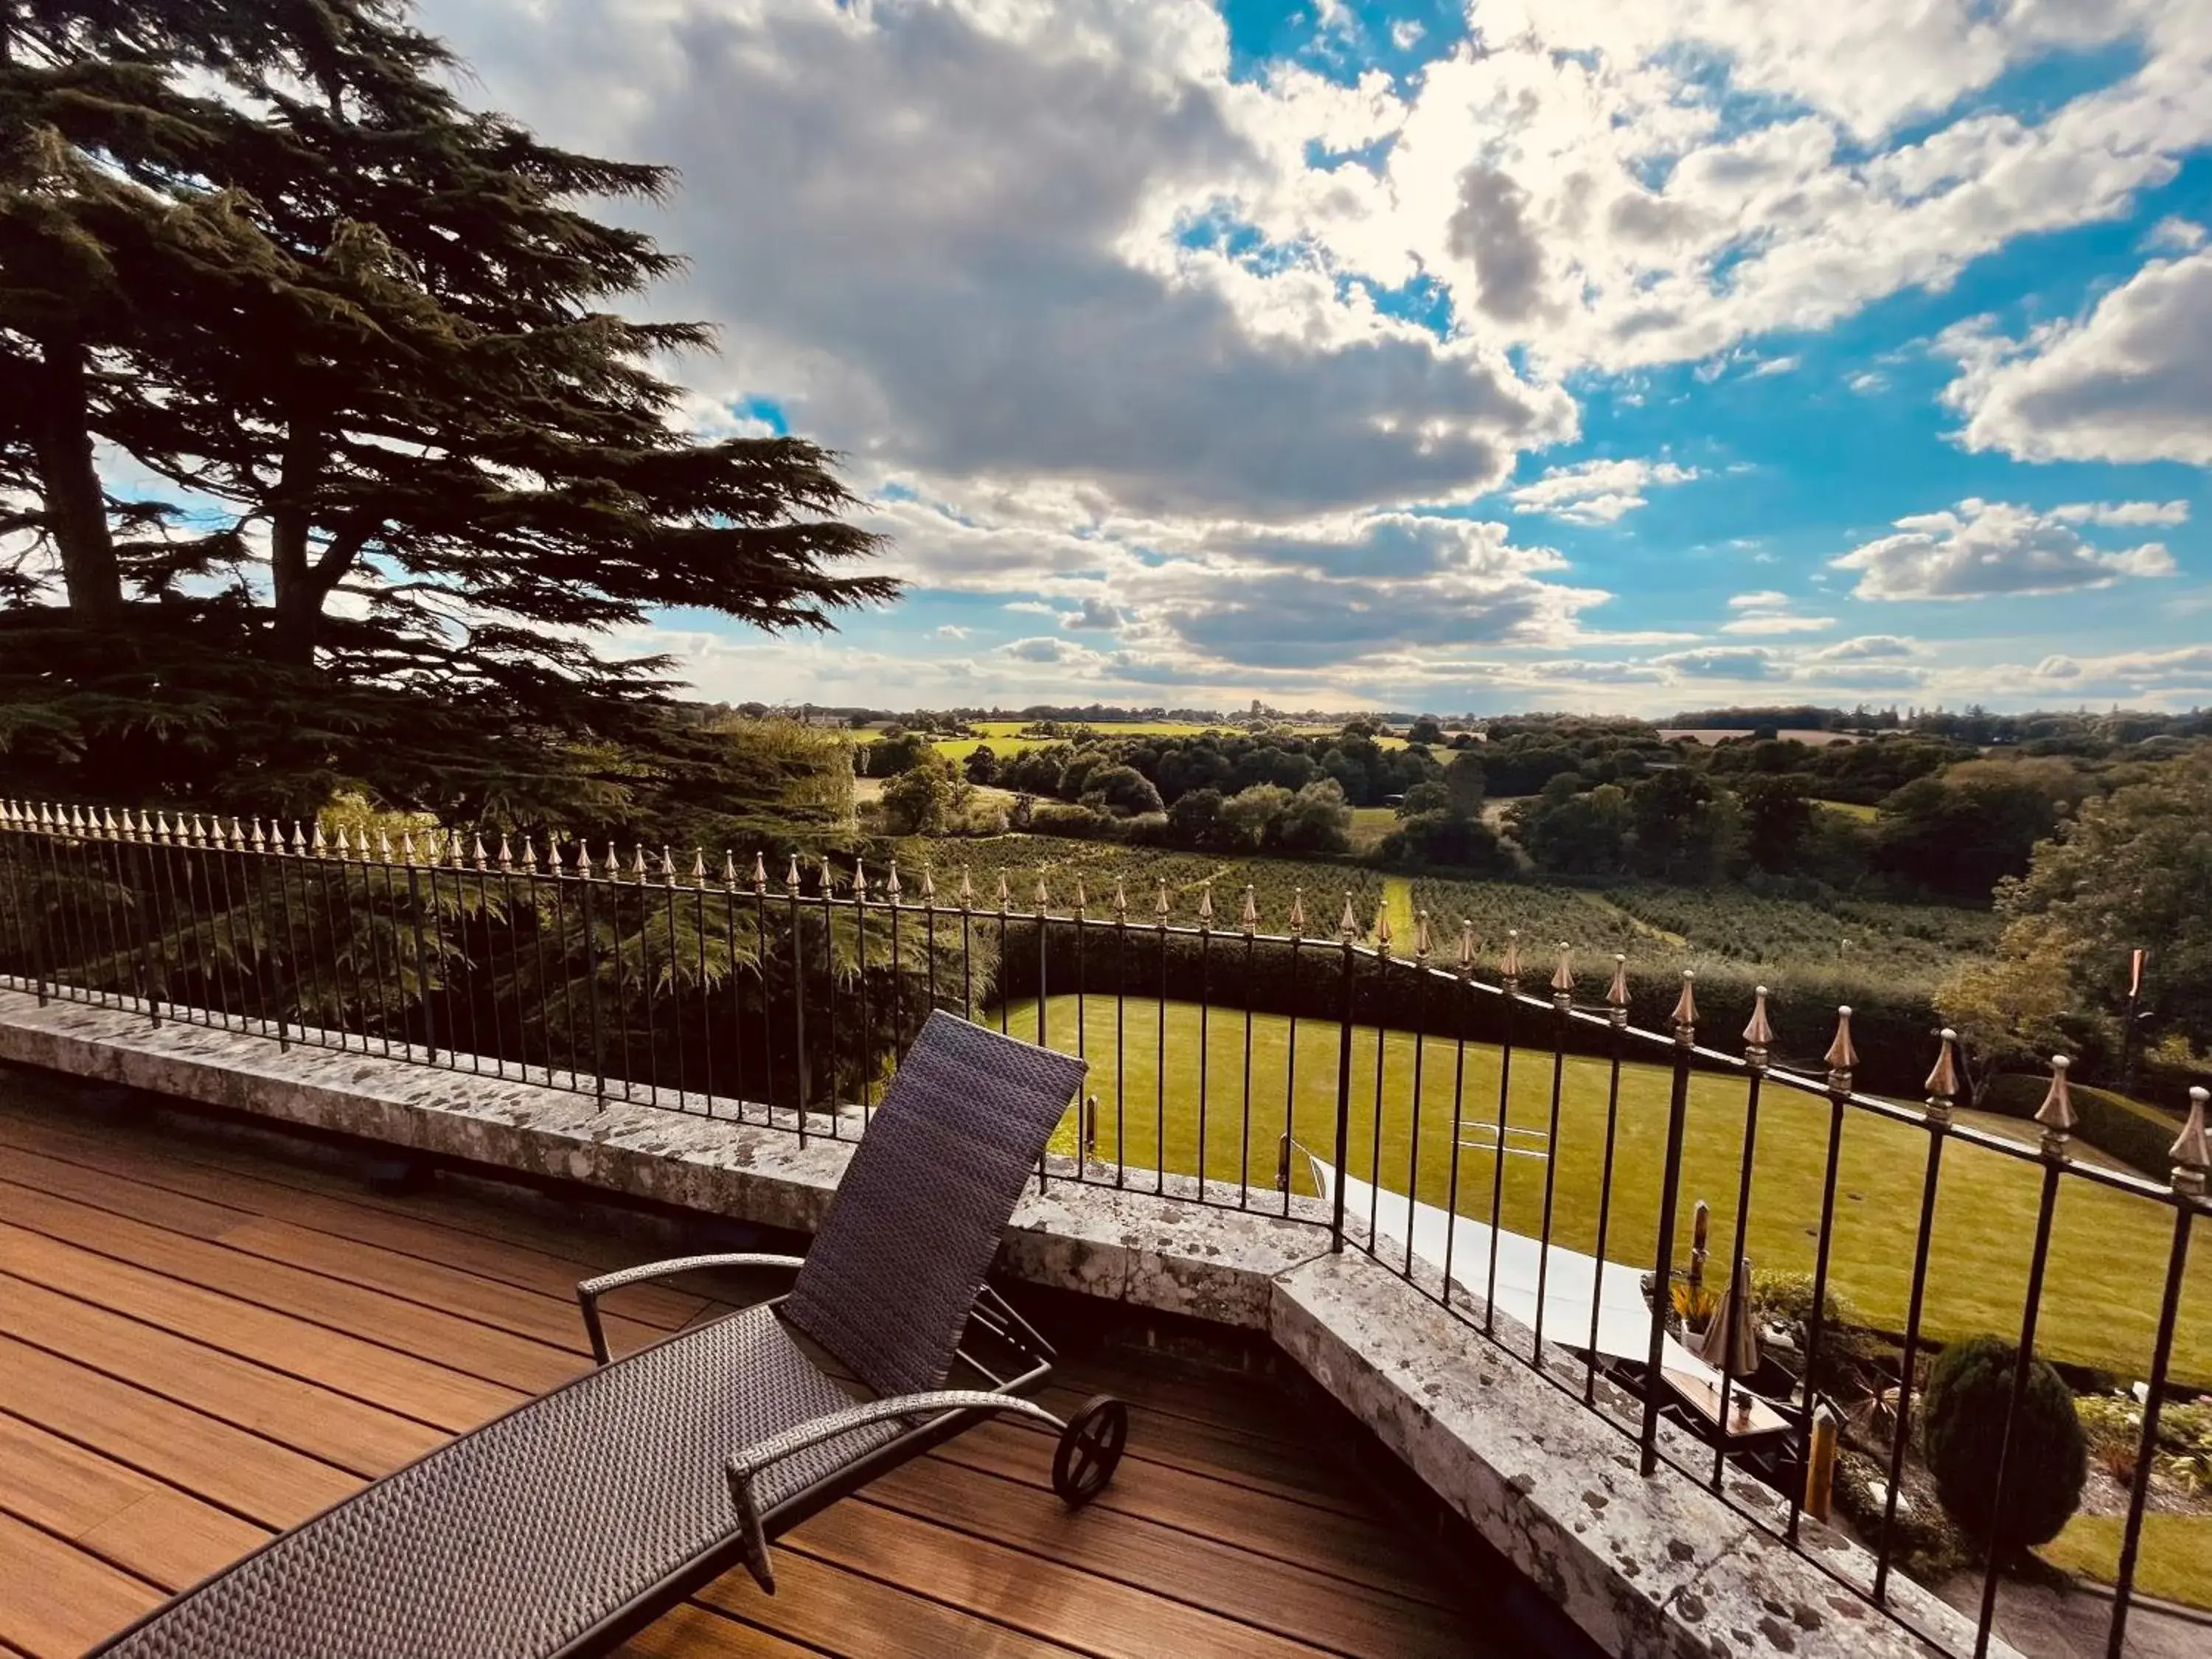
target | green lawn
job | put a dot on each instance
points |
(1849, 809)
(1398, 901)
(1369, 825)
(2174, 1561)
(2109, 1250)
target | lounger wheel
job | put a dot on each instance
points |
(1089, 1450)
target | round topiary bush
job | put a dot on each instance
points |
(1963, 1430)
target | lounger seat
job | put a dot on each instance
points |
(572, 1520)
(516, 1540)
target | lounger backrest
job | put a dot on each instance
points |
(890, 1276)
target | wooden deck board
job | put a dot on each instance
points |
(202, 1340)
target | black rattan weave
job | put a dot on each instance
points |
(527, 1535)
(516, 1538)
(892, 1273)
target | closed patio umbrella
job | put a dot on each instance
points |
(1730, 1345)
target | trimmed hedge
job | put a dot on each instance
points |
(2140, 1136)
(1892, 1034)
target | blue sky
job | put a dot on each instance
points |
(1598, 353)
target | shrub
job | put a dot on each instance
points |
(1120, 789)
(1053, 817)
(2138, 1135)
(1969, 1391)
(923, 799)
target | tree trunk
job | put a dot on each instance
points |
(300, 584)
(76, 509)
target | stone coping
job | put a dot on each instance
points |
(1659, 1567)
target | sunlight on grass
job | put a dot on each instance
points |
(2109, 1248)
(2173, 1563)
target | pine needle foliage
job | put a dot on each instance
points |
(318, 423)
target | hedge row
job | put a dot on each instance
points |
(1892, 1033)
(2140, 1136)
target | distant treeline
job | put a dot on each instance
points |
(1591, 797)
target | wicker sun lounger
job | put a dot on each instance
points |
(571, 1522)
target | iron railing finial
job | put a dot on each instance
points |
(2056, 1114)
(1759, 1034)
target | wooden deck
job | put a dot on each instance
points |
(202, 1341)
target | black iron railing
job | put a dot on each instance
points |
(784, 1003)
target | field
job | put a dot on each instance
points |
(1099, 865)
(999, 735)
(1818, 955)
(2101, 1297)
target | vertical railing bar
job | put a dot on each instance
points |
(463, 956)
(1841, 1058)
(1343, 1101)
(675, 986)
(1942, 1087)
(375, 949)
(1510, 980)
(1204, 1038)
(1739, 1293)
(66, 934)
(768, 996)
(1678, 1111)
(1290, 1060)
(1420, 1055)
(278, 867)
(860, 956)
(1563, 1002)
(1459, 1105)
(737, 983)
(150, 920)
(1244, 1135)
(427, 963)
(541, 886)
(510, 924)
(33, 915)
(333, 871)
(1120, 1056)
(2023, 1362)
(1160, 1056)
(111, 947)
(801, 1069)
(463, 953)
(648, 980)
(2188, 1185)
(592, 974)
(1617, 1021)
(218, 926)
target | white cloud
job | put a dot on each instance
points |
(2132, 382)
(2123, 513)
(1866, 647)
(1596, 491)
(950, 631)
(1774, 366)
(1868, 381)
(1987, 549)
(2175, 234)
(1094, 613)
(1735, 662)
(955, 245)
(1769, 611)
(1406, 33)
